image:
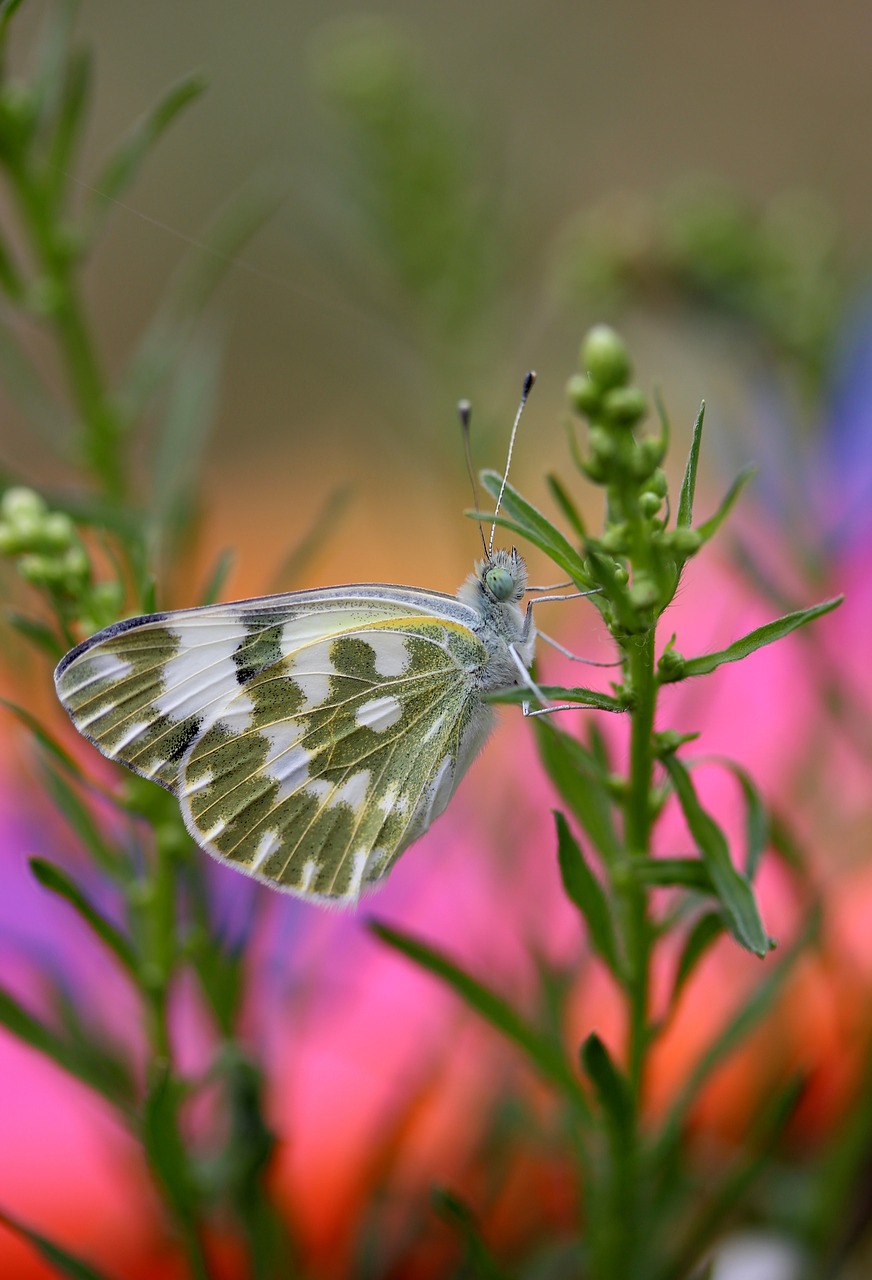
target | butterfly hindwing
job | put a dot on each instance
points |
(310, 738)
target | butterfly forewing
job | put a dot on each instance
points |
(310, 738)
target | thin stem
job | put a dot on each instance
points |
(637, 817)
(101, 424)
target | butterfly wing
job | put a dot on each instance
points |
(310, 738)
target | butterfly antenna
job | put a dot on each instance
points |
(464, 413)
(525, 391)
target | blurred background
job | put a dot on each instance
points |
(456, 192)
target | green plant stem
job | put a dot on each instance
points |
(102, 426)
(637, 816)
(625, 1244)
(160, 963)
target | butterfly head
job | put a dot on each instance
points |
(501, 579)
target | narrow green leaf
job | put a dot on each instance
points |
(542, 1052)
(571, 565)
(580, 784)
(567, 506)
(710, 527)
(666, 873)
(299, 558)
(65, 1262)
(688, 484)
(10, 276)
(224, 562)
(188, 416)
(727, 1192)
(163, 1143)
(28, 390)
(44, 738)
(123, 166)
(538, 527)
(7, 12)
(701, 937)
(587, 894)
(79, 816)
(57, 881)
(663, 419)
(88, 1043)
(558, 693)
(733, 890)
(53, 56)
(31, 1031)
(612, 1090)
(756, 817)
(478, 1261)
(758, 1004)
(757, 639)
(604, 571)
(40, 635)
(217, 251)
(599, 748)
(70, 124)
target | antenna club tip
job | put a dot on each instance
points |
(464, 410)
(529, 380)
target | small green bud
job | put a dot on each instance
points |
(622, 575)
(39, 571)
(604, 358)
(594, 470)
(616, 785)
(649, 503)
(625, 406)
(74, 563)
(648, 456)
(644, 591)
(19, 501)
(671, 666)
(685, 541)
(56, 531)
(657, 483)
(602, 446)
(583, 395)
(614, 539)
(105, 600)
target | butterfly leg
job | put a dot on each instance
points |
(567, 653)
(527, 680)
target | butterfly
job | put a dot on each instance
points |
(309, 737)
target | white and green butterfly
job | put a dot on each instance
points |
(309, 737)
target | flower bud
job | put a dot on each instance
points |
(649, 503)
(56, 531)
(624, 406)
(583, 395)
(604, 358)
(671, 666)
(685, 541)
(614, 539)
(648, 456)
(657, 483)
(644, 591)
(39, 571)
(20, 501)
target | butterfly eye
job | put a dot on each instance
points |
(499, 582)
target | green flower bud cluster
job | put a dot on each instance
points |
(636, 561)
(50, 554)
(44, 543)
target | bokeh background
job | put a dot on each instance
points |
(571, 131)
